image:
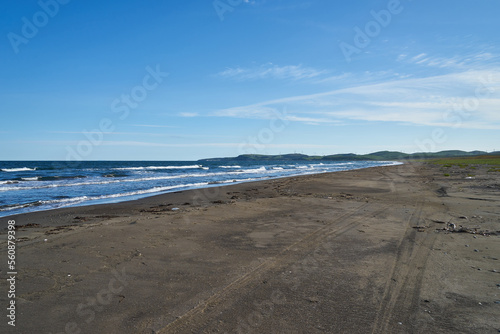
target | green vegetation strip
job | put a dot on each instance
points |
(491, 160)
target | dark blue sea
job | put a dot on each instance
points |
(27, 186)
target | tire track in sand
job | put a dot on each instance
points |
(402, 289)
(203, 313)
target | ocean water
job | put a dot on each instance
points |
(27, 186)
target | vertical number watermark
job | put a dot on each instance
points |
(11, 264)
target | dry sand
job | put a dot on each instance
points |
(365, 251)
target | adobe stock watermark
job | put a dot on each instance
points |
(372, 29)
(203, 196)
(223, 6)
(260, 312)
(119, 106)
(292, 279)
(87, 311)
(256, 144)
(30, 28)
(459, 110)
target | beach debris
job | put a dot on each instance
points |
(30, 225)
(400, 323)
(466, 245)
(158, 209)
(476, 250)
(175, 209)
(106, 216)
(497, 301)
(346, 196)
(45, 240)
(451, 227)
(463, 217)
(442, 192)
(313, 299)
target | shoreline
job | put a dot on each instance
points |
(195, 190)
(367, 250)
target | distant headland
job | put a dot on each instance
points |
(377, 156)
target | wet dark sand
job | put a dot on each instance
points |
(366, 251)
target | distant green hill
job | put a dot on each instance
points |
(382, 155)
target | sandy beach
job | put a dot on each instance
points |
(399, 249)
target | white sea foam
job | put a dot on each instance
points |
(21, 206)
(151, 190)
(144, 183)
(57, 184)
(91, 183)
(238, 180)
(392, 163)
(126, 194)
(160, 167)
(29, 178)
(23, 169)
(57, 203)
(66, 200)
(255, 170)
(344, 163)
(258, 172)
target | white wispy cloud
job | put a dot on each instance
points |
(188, 114)
(116, 133)
(335, 78)
(461, 61)
(230, 145)
(260, 111)
(472, 97)
(271, 71)
(153, 126)
(153, 144)
(127, 143)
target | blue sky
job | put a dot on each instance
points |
(183, 80)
